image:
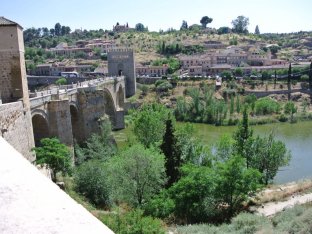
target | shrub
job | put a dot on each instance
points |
(133, 222)
(61, 81)
(161, 206)
(91, 181)
(249, 223)
(266, 106)
(164, 87)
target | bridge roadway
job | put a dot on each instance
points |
(74, 111)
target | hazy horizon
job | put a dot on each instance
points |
(272, 16)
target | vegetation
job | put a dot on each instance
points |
(54, 155)
(61, 81)
(136, 174)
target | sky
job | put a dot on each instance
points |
(272, 16)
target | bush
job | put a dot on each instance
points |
(282, 118)
(164, 87)
(266, 106)
(249, 223)
(133, 222)
(61, 81)
(161, 206)
(91, 181)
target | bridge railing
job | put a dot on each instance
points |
(40, 97)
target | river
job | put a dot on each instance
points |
(297, 137)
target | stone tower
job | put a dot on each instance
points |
(13, 77)
(121, 63)
(15, 115)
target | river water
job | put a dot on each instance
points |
(297, 137)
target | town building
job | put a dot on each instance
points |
(152, 71)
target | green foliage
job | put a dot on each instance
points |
(160, 206)
(290, 108)
(235, 183)
(205, 20)
(240, 24)
(140, 27)
(224, 148)
(243, 139)
(266, 106)
(269, 156)
(173, 63)
(55, 155)
(169, 148)
(100, 146)
(136, 174)
(203, 107)
(61, 81)
(193, 194)
(250, 100)
(149, 124)
(133, 222)
(257, 31)
(91, 181)
(163, 86)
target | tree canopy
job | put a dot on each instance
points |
(205, 20)
(55, 155)
(240, 24)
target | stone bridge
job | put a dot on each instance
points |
(74, 111)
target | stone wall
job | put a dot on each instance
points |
(60, 121)
(16, 127)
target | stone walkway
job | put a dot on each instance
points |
(32, 204)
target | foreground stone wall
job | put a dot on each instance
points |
(16, 127)
(31, 203)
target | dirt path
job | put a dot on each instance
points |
(272, 208)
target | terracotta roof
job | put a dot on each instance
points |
(6, 22)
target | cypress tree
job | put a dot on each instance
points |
(310, 77)
(288, 81)
(172, 155)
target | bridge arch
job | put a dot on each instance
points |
(120, 98)
(40, 125)
(109, 106)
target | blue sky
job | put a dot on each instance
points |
(270, 15)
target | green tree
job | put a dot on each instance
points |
(137, 174)
(172, 154)
(184, 25)
(235, 183)
(90, 180)
(193, 194)
(55, 155)
(224, 148)
(57, 29)
(232, 105)
(269, 156)
(100, 146)
(243, 139)
(205, 20)
(149, 124)
(240, 24)
(140, 27)
(288, 81)
(257, 31)
(238, 104)
(290, 109)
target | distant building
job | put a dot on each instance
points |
(121, 28)
(152, 71)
